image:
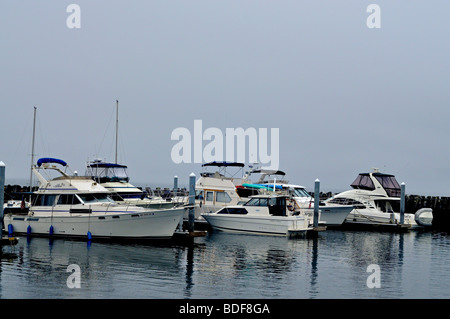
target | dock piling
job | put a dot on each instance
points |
(316, 202)
(191, 219)
(402, 204)
(2, 193)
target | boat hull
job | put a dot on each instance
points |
(376, 218)
(142, 225)
(267, 225)
(334, 215)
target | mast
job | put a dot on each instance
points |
(117, 125)
(32, 152)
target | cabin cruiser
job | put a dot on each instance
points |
(264, 215)
(214, 190)
(114, 177)
(70, 205)
(376, 200)
(298, 197)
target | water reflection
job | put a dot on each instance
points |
(413, 265)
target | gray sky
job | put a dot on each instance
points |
(346, 98)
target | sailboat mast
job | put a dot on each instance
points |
(32, 152)
(117, 125)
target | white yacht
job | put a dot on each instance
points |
(114, 177)
(299, 198)
(217, 189)
(263, 215)
(376, 200)
(78, 206)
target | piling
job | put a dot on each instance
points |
(191, 232)
(191, 219)
(316, 202)
(2, 193)
(175, 186)
(402, 204)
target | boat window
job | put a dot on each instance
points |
(272, 201)
(68, 199)
(363, 181)
(95, 198)
(223, 197)
(45, 200)
(234, 211)
(263, 202)
(209, 196)
(256, 202)
(108, 173)
(390, 184)
(346, 201)
(252, 202)
(300, 192)
(388, 206)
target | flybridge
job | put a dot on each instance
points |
(388, 182)
(104, 172)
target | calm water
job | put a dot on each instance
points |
(412, 265)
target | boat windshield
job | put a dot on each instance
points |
(256, 202)
(363, 181)
(390, 184)
(300, 192)
(95, 198)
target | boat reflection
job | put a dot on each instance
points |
(232, 266)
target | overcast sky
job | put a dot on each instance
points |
(345, 97)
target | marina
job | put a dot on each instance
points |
(267, 159)
(216, 263)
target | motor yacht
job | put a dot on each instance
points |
(298, 197)
(375, 198)
(216, 189)
(114, 177)
(78, 206)
(263, 215)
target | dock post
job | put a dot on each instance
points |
(175, 193)
(402, 204)
(175, 186)
(2, 194)
(191, 219)
(316, 202)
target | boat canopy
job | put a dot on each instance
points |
(268, 172)
(103, 164)
(387, 181)
(104, 172)
(45, 160)
(221, 164)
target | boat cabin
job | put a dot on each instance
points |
(371, 181)
(276, 206)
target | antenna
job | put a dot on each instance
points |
(32, 152)
(117, 126)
